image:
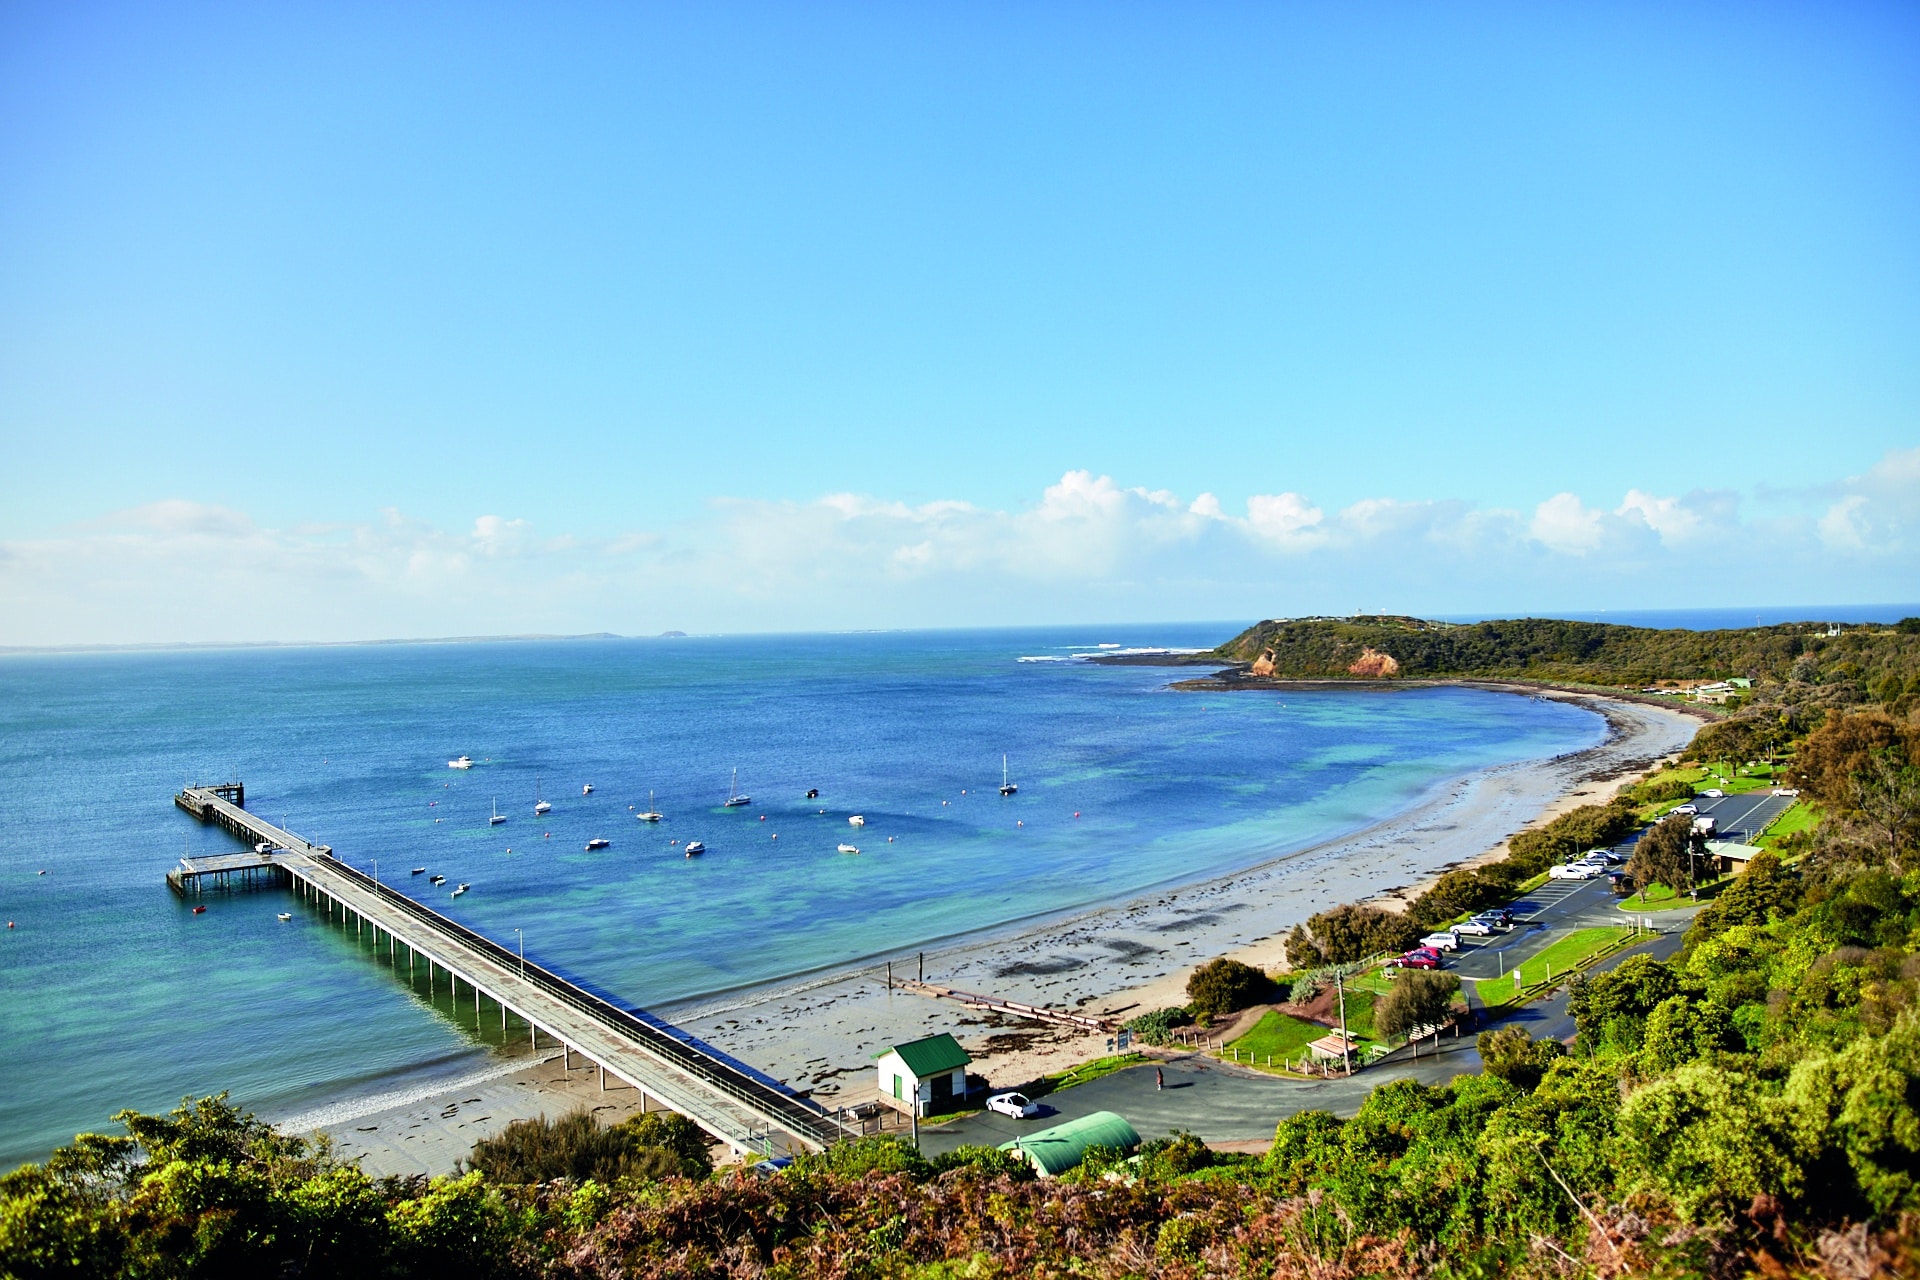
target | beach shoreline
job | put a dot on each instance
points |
(819, 1034)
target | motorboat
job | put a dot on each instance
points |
(539, 806)
(813, 793)
(734, 799)
(436, 880)
(857, 820)
(695, 848)
(419, 871)
(199, 911)
(285, 916)
(652, 814)
(1006, 788)
(498, 817)
(847, 848)
(597, 843)
(463, 762)
(586, 788)
(458, 890)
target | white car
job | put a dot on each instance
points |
(1713, 793)
(1786, 791)
(1573, 871)
(1445, 940)
(1688, 809)
(1478, 928)
(1013, 1104)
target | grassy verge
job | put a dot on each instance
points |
(1661, 898)
(1799, 816)
(1563, 957)
(1086, 1071)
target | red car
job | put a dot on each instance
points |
(1420, 958)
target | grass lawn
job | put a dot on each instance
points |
(1799, 816)
(1279, 1035)
(1563, 957)
(1661, 898)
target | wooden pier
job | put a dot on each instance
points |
(734, 1105)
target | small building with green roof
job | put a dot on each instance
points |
(924, 1077)
(1053, 1151)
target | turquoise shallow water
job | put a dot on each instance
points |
(116, 995)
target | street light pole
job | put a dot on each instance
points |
(521, 938)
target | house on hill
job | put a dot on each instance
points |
(921, 1075)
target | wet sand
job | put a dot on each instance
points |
(820, 1036)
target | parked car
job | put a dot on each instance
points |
(1688, 809)
(1421, 958)
(1477, 927)
(1573, 871)
(1786, 791)
(1713, 793)
(1016, 1105)
(1605, 857)
(1705, 825)
(1442, 940)
(1503, 916)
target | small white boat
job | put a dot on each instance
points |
(1006, 788)
(539, 806)
(458, 891)
(586, 789)
(436, 879)
(734, 799)
(695, 848)
(498, 817)
(652, 814)
(419, 871)
(847, 848)
(285, 916)
(597, 843)
(464, 762)
(857, 820)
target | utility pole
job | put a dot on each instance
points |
(1346, 1050)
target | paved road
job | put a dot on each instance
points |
(1223, 1103)
(1215, 1100)
(1743, 817)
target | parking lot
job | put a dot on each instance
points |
(1742, 817)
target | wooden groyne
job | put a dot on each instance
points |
(739, 1108)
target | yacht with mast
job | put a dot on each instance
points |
(734, 798)
(1006, 788)
(652, 814)
(498, 817)
(539, 806)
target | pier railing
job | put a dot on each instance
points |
(791, 1111)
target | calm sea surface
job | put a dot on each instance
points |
(116, 995)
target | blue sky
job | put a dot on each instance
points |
(423, 320)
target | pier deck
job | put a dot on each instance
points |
(734, 1105)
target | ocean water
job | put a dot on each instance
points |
(116, 995)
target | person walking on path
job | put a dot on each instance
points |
(1159, 1079)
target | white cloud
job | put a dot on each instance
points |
(1565, 524)
(1087, 546)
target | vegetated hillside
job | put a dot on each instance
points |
(1380, 647)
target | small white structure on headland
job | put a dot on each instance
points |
(919, 1076)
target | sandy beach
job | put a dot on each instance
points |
(820, 1035)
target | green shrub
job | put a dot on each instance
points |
(1157, 1027)
(1223, 986)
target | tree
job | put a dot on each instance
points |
(1516, 1057)
(1844, 746)
(1666, 854)
(1419, 997)
(1610, 1009)
(1223, 986)
(1351, 932)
